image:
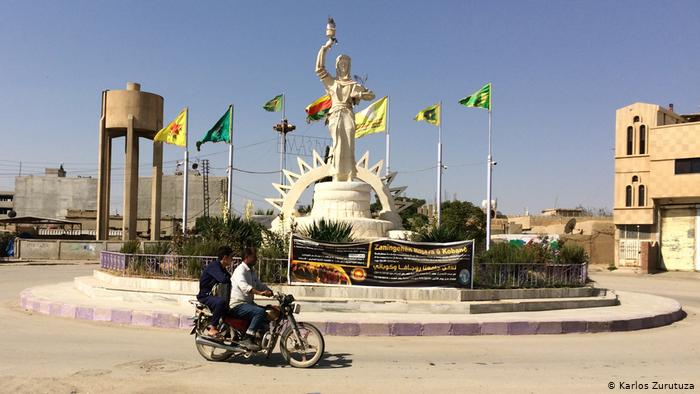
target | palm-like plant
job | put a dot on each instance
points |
(443, 233)
(328, 231)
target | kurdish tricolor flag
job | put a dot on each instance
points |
(371, 119)
(479, 99)
(318, 109)
(175, 132)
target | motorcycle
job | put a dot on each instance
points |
(301, 344)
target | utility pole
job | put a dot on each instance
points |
(283, 128)
(205, 186)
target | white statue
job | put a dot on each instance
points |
(345, 93)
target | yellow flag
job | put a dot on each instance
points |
(371, 119)
(175, 132)
(430, 115)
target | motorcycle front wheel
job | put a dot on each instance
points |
(305, 354)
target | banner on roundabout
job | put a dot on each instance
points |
(383, 262)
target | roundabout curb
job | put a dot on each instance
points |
(146, 318)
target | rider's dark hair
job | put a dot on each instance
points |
(248, 251)
(224, 251)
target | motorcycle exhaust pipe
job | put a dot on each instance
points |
(203, 341)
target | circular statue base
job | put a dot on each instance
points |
(347, 202)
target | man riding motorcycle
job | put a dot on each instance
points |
(245, 285)
(214, 273)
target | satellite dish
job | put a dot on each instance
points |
(11, 214)
(570, 225)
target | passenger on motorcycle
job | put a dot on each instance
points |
(211, 275)
(245, 285)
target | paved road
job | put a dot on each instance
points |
(44, 354)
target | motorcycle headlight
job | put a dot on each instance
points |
(297, 308)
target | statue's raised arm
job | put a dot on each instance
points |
(321, 63)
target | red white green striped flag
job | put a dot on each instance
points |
(318, 109)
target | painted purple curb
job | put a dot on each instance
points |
(29, 302)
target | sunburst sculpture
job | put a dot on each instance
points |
(318, 169)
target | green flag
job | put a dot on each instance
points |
(274, 105)
(430, 115)
(480, 99)
(221, 131)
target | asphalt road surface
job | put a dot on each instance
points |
(45, 354)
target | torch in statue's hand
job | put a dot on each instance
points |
(330, 31)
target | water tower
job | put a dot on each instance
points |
(132, 114)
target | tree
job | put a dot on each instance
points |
(464, 218)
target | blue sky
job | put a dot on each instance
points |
(559, 70)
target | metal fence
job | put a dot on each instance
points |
(183, 267)
(530, 275)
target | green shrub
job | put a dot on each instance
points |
(159, 248)
(328, 231)
(196, 246)
(131, 247)
(275, 245)
(572, 254)
(234, 232)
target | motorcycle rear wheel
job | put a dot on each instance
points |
(306, 355)
(211, 353)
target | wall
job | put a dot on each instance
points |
(44, 249)
(52, 196)
(670, 143)
(37, 249)
(599, 246)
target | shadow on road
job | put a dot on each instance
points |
(328, 361)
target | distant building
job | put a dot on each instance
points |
(566, 212)
(657, 186)
(55, 195)
(6, 202)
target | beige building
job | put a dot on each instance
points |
(657, 186)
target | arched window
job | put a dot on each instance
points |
(630, 140)
(641, 196)
(636, 119)
(628, 196)
(635, 179)
(642, 139)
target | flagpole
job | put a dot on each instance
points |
(489, 169)
(230, 162)
(388, 150)
(185, 174)
(283, 141)
(439, 169)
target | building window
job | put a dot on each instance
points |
(641, 196)
(628, 196)
(688, 166)
(636, 231)
(635, 179)
(630, 140)
(642, 139)
(636, 119)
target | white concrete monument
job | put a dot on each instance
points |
(347, 197)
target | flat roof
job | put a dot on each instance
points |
(35, 220)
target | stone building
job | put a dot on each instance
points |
(657, 187)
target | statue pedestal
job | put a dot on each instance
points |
(347, 202)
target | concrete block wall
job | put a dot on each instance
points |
(38, 249)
